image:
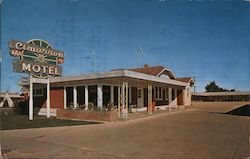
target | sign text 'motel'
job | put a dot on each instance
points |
(36, 57)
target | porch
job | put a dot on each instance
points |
(122, 91)
(125, 95)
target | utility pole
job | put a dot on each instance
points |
(139, 52)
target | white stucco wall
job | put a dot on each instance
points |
(43, 111)
(187, 96)
(174, 101)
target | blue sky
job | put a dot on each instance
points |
(206, 39)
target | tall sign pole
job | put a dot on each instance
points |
(48, 98)
(31, 99)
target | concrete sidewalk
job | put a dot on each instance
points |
(143, 114)
(196, 133)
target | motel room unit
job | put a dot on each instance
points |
(136, 88)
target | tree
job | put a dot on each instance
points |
(213, 87)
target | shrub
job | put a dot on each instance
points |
(21, 108)
(71, 105)
(90, 106)
(17, 109)
(110, 106)
(6, 112)
(81, 107)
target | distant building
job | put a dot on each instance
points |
(8, 99)
(221, 96)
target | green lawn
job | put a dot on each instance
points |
(10, 121)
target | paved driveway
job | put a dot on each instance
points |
(201, 132)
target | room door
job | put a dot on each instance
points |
(179, 97)
(140, 101)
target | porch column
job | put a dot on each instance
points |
(65, 98)
(75, 97)
(124, 96)
(150, 108)
(48, 98)
(126, 100)
(169, 96)
(184, 96)
(112, 94)
(86, 97)
(99, 96)
(31, 99)
(119, 102)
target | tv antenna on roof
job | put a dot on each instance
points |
(139, 52)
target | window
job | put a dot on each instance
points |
(38, 92)
(139, 95)
(158, 93)
(164, 76)
(166, 93)
(153, 91)
(173, 93)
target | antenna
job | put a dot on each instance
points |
(139, 52)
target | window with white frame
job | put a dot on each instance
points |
(38, 92)
(139, 93)
(164, 76)
(158, 93)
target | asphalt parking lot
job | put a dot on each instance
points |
(201, 132)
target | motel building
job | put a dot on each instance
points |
(242, 96)
(128, 90)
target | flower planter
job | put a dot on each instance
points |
(110, 116)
